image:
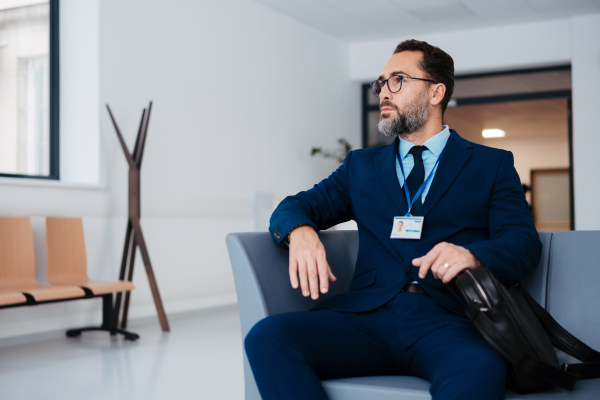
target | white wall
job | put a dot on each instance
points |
(212, 144)
(477, 50)
(79, 119)
(533, 152)
(585, 33)
(241, 94)
(575, 40)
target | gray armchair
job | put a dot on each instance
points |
(566, 283)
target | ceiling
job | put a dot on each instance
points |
(361, 20)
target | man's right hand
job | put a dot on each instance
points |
(308, 262)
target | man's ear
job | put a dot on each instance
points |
(438, 92)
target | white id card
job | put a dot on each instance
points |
(407, 228)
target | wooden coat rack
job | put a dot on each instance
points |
(134, 236)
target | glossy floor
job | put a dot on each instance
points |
(201, 358)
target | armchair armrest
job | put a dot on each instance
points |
(260, 270)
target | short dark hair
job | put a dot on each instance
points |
(436, 63)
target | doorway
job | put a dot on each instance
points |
(531, 113)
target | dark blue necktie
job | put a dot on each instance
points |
(416, 178)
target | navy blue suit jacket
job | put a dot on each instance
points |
(476, 201)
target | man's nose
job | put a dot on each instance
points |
(385, 93)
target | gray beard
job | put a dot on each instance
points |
(411, 120)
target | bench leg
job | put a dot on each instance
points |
(107, 322)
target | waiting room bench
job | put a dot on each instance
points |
(66, 270)
(566, 283)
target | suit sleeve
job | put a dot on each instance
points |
(514, 249)
(325, 205)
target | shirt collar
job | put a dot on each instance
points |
(435, 144)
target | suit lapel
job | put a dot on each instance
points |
(385, 165)
(456, 154)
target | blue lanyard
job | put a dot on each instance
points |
(410, 203)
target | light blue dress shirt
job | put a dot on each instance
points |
(435, 145)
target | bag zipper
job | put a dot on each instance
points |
(480, 291)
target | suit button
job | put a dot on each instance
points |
(410, 269)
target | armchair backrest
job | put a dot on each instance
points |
(260, 269)
(574, 284)
(536, 284)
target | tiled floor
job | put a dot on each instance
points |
(201, 358)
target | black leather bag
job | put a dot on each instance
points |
(523, 333)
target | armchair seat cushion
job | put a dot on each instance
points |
(413, 388)
(378, 387)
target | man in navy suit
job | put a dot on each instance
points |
(461, 206)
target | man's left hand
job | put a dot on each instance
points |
(446, 260)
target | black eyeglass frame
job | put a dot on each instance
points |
(402, 77)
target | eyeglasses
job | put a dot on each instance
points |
(394, 84)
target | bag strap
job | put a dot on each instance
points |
(544, 372)
(559, 336)
(566, 342)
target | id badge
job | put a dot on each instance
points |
(407, 228)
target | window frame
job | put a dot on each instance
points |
(54, 100)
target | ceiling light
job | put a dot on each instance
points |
(492, 133)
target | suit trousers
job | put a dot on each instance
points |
(290, 353)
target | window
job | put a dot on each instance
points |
(29, 88)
